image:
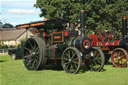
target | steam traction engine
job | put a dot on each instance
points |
(59, 45)
(112, 46)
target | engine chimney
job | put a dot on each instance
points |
(124, 27)
(82, 21)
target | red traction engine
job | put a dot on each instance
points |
(112, 46)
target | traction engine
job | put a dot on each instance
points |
(59, 46)
(116, 48)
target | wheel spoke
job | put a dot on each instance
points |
(76, 61)
(30, 43)
(118, 62)
(27, 50)
(27, 56)
(34, 46)
(36, 49)
(98, 58)
(69, 53)
(75, 66)
(95, 53)
(33, 64)
(37, 53)
(74, 55)
(115, 54)
(37, 58)
(66, 63)
(71, 67)
(66, 59)
(123, 56)
(123, 61)
(29, 63)
(95, 66)
(67, 66)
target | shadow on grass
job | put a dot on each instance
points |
(1, 61)
(83, 70)
(108, 63)
(51, 67)
(103, 70)
(59, 68)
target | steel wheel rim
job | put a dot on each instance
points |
(119, 58)
(71, 61)
(31, 54)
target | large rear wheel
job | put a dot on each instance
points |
(34, 53)
(71, 60)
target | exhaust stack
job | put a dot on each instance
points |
(124, 27)
(82, 21)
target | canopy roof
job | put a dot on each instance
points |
(48, 24)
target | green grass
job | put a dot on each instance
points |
(12, 72)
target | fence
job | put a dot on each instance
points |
(3, 52)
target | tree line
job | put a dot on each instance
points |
(99, 14)
(6, 25)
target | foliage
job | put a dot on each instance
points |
(7, 25)
(13, 72)
(100, 14)
(2, 45)
(1, 24)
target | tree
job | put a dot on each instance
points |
(7, 25)
(1, 24)
(100, 14)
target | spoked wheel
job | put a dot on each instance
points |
(119, 58)
(96, 59)
(71, 60)
(34, 53)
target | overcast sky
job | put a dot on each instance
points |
(18, 11)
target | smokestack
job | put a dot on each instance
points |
(124, 27)
(82, 21)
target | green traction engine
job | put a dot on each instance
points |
(59, 44)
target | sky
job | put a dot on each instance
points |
(18, 11)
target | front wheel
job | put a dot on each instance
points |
(71, 60)
(95, 59)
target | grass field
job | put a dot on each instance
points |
(12, 72)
